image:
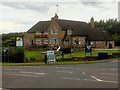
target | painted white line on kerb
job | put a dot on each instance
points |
(96, 78)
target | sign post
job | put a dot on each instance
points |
(66, 51)
(51, 57)
(88, 49)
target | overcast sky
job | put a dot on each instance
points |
(18, 16)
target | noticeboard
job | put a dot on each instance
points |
(66, 51)
(19, 41)
(50, 56)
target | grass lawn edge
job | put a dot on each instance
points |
(57, 63)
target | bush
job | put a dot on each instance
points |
(13, 55)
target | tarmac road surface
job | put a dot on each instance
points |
(97, 75)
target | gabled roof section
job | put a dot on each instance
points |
(98, 34)
(40, 26)
(79, 28)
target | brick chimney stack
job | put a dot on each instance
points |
(55, 17)
(92, 22)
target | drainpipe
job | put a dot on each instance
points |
(42, 37)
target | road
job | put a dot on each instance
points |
(97, 75)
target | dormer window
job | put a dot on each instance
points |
(38, 32)
(54, 31)
(46, 32)
(69, 32)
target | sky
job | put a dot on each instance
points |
(21, 15)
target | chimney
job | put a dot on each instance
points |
(55, 17)
(92, 22)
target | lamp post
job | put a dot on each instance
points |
(4, 55)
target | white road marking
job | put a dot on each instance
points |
(72, 78)
(12, 69)
(96, 78)
(113, 69)
(65, 71)
(56, 67)
(40, 73)
(109, 73)
(110, 81)
(83, 73)
(103, 80)
(27, 72)
(37, 67)
(23, 75)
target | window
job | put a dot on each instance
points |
(45, 41)
(38, 41)
(38, 32)
(65, 42)
(69, 32)
(74, 41)
(54, 31)
(53, 40)
(31, 42)
(111, 42)
(91, 42)
(46, 32)
(82, 40)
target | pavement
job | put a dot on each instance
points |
(96, 75)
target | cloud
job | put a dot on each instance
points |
(39, 7)
(21, 16)
(93, 4)
(11, 27)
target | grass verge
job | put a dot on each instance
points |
(42, 63)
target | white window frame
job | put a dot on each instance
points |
(46, 32)
(53, 42)
(39, 41)
(74, 39)
(82, 40)
(56, 31)
(38, 32)
(69, 32)
(66, 42)
(45, 41)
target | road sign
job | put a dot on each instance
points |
(51, 57)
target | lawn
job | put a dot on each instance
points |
(94, 53)
(39, 55)
(34, 54)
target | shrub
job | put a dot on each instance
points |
(13, 55)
